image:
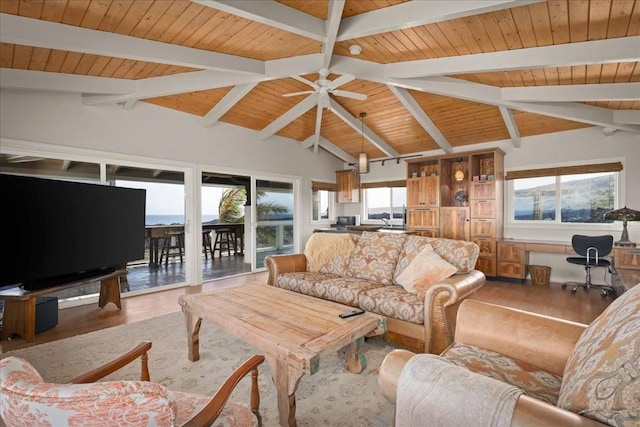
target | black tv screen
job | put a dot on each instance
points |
(57, 231)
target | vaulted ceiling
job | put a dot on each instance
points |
(435, 74)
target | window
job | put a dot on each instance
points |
(577, 198)
(385, 202)
(322, 201)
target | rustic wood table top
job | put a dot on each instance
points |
(293, 330)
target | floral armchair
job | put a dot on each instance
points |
(26, 400)
(523, 369)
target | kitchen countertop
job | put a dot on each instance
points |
(358, 229)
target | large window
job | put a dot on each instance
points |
(577, 198)
(385, 202)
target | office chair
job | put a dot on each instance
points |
(592, 250)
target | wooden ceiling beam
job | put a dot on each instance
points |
(273, 14)
(355, 124)
(417, 13)
(623, 49)
(581, 93)
(421, 117)
(51, 35)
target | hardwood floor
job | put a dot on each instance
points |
(550, 300)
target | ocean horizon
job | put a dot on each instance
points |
(173, 219)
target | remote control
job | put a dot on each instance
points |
(351, 313)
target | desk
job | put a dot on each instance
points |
(20, 305)
(513, 259)
(157, 232)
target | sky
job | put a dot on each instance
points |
(168, 199)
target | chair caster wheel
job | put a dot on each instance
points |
(573, 291)
(564, 286)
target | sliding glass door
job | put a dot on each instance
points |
(274, 234)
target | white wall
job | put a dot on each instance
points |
(162, 135)
(165, 135)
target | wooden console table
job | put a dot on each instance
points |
(20, 305)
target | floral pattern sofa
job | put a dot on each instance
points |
(416, 282)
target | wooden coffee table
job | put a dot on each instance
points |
(293, 330)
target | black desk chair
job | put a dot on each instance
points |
(592, 250)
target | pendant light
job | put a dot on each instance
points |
(363, 158)
(459, 175)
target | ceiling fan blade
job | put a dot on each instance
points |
(303, 80)
(304, 92)
(343, 79)
(347, 94)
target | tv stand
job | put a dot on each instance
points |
(20, 305)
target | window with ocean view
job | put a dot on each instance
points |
(384, 202)
(579, 198)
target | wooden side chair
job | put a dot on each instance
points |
(26, 399)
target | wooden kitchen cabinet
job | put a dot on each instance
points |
(348, 186)
(423, 191)
(454, 223)
(425, 220)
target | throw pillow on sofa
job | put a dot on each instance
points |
(426, 269)
(601, 378)
(375, 256)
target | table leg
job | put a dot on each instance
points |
(110, 292)
(286, 379)
(353, 357)
(193, 334)
(19, 318)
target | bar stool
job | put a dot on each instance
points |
(225, 239)
(172, 245)
(206, 244)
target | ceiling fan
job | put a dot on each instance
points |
(325, 87)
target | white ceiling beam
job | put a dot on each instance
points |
(334, 17)
(202, 80)
(174, 84)
(227, 103)
(492, 95)
(273, 14)
(284, 67)
(316, 133)
(563, 93)
(51, 35)
(421, 117)
(512, 126)
(623, 49)
(355, 124)
(336, 151)
(299, 109)
(128, 105)
(416, 13)
(631, 117)
(56, 82)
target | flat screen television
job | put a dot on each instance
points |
(56, 232)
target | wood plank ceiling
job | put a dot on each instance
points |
(436, 74)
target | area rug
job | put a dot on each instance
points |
(330, 397)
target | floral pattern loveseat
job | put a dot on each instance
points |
(416, 282)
